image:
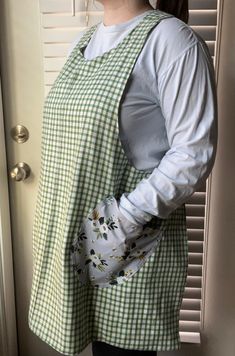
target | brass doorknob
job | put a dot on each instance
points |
(20, 171)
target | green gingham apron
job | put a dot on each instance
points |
(82, 162)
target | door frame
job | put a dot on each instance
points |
(8, 327)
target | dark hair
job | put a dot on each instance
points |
(178, 8)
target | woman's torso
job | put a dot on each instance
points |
(141, 121)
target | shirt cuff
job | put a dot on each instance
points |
(131, 212)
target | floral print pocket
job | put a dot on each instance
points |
(109, 249)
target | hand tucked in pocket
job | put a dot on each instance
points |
(108, 249)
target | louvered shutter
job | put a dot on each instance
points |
(59, 28)
(203, 19)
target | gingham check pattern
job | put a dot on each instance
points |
(82, 161)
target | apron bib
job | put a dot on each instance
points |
(83, 167)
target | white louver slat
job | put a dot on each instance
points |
(59, 28)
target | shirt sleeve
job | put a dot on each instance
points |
(188, 100)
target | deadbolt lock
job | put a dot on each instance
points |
(19, 133)
(20, 171)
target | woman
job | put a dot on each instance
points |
(109, 239)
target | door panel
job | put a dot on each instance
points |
(23, 96)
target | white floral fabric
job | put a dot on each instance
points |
(108, 248)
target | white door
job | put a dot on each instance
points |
(23, 93)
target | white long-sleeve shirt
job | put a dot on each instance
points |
(168, 114)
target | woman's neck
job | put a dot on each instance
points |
(116, 12)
